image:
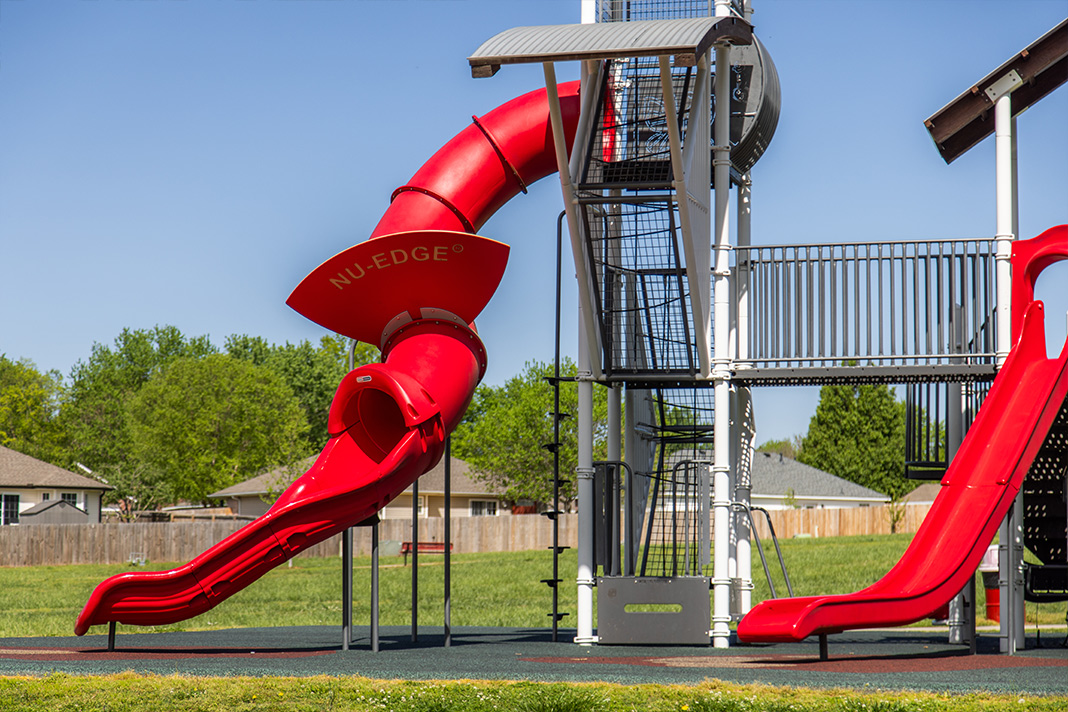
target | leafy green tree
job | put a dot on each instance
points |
(790, 448)
(312, 373)
(858, 433)
(202, 424)
(504, 433)
(92, 421)
(29, 403)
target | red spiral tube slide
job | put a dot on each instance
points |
(414, 289)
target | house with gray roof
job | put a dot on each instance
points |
(255, 496)
(468, 496)
(924, 494)
(779, 482)
(26, 482)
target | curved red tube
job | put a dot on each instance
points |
(482, 167)
(388, 421)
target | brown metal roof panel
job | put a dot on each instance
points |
(686, 37)
(968, 119)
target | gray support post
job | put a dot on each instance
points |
(615, 454)
(374, 587)
(346, 588)
(630, 533)
(962, 607)
(346, 555)
(415, 561)
(448, 542)
(1017, 583)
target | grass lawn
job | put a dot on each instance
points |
(127, 691)
(495, 589)
(492, 589)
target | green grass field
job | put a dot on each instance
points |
(499, 589)
(491, 589)
(127, 691)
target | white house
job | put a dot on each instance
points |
(26, 482)
(469, 497)
(779, 482)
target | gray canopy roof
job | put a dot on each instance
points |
(685, 39)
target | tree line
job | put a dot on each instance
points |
(858, 434)
(163, 417)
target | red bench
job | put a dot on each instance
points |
(423, 547)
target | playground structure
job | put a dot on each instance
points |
(680, 323)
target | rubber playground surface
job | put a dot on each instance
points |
(911, 659)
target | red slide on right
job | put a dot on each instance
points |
(1025, 400)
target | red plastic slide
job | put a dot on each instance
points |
(415, 289)
(977, 490)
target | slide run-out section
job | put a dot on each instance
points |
(414, 289)
(977, 491)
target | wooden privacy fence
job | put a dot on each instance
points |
(112, 543)
(847, 521)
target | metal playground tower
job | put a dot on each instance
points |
(680, 317)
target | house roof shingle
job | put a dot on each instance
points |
(18, 470)
(774, 473)
(923, 494)
(432, 482)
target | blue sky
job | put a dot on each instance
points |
(187, 162)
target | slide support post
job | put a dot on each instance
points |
(721, 370)
(1010, 548)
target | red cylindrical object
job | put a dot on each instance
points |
(483, 167)
(993, 603)
(388, 421)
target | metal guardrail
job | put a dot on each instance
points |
(749, 509)
(880, 305)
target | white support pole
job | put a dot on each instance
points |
(722, 488)
(588, 11)
(745, 422)
(1010, 533)
(743, 405)
(584, 475)
(1005, 200)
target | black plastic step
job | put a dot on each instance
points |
(1044, 584)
